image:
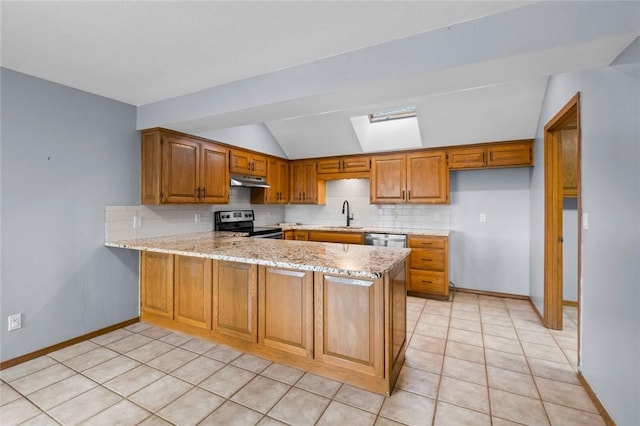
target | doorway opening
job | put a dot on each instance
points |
(561, 187)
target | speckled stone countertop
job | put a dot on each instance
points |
(371, 229)
(344, 259)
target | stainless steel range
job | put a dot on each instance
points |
(242, 221)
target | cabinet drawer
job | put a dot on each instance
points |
(428, 282)
(432, 260)
(426, 242)
(467, 158)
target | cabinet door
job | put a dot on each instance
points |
(304, 183)
(156, 284)
(427, 178)
(297, 178)
(330, 165)
(180, 169)
(288, 235)
(569, 138)
(235, 307)
(467, 158)
(214, 174)
(258, 165)
(356, 164)
(510, 154)
(388, 179)
(246, 163)
(349, 323)
(286, 310)
(193, 291)
(301, 235)
(310, 186)
(278, 178)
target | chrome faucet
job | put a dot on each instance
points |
(349, 218)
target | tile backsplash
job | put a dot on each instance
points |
(154, 221)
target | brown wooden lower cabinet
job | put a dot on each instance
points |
(429, 266)
(235, 300)
(336, 237)
(345, 328)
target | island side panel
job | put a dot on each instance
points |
(396, 318)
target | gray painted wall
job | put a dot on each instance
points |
(610, 308)
(491, 255)
(65, 155)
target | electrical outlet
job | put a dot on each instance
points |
(15, 322)
(197, 218)
(137, 222)
(483, 217)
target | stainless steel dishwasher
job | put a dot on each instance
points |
(385, 240)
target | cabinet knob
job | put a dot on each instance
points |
(426, 260)
(426, 281)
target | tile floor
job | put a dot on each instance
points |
(474, 361)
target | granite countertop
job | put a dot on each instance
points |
(369, 229)
(344, 259)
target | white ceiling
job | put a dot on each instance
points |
(476, 70)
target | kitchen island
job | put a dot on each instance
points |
(337, 310)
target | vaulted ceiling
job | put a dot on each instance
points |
(304, 71)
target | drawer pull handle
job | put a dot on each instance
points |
(426, 282)
(426, 260)
(427, 244)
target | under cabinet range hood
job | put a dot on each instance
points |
(248, 181)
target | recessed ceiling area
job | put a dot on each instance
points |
(292, 78)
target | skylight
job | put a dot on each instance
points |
(392, 114)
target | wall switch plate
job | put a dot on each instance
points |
(483, 217)
(137, 222)
(197, 218)
(585, 221)
(15, 322)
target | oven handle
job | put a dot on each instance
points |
(274, 235)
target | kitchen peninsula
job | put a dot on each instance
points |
(337, 310)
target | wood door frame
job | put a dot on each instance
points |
(553, 199)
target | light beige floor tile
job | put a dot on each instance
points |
(467, 352)
(155, 332)
(509, 361)
(124, 411)
(494, 311)
(542, 338)
(444, 311)
(383, 421)
(464, 336)
(339, 413)
(413, 316)
(84, 406)
(464, 370)
(111, 337)
(452, 415)
(427, 344)
(466, 315)
(464, 306)
(502, 344)
(138, 327)
(283, 373)
(198, 346)
(232, 414)
(464, 394)
(523, 314)
(227, 381)
(418, 381)
(319, 385)
(261, 394)
(431, 330)
(517, 408)
(299, 407)
(18, 411)
(423, 360)
(553, 370)
(413, 306)
(62, 391)
(360, 398)
(151, 350)
(251, 363)
(512, 381)
(155, 421)
(197, 370)
(176, 339)
(18, 371)
(40, 420)
(464, 324)
(565, 416)
(566, 394)
(73, 351)
(550, 353)
(191, 408)
(160, 393)
(172, 360)
(7, 394)
(223, 353)
(42, 378)
(495, 319)
(434, 319)
(567, 342)
(268, 421)
(90, 359)
(572, 356)
(111, 369)
(408, 408)
(133, 380)
(129, 343)
(525, 324)
(499, 330)
(497, 421)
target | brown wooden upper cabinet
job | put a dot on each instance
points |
(278, 178)
(247, 163)
(418, 177)
(569, 142)
(492, 155)
(305, 188)
(344, 165)
(180, 169)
